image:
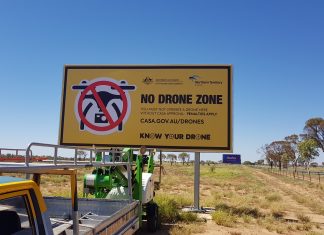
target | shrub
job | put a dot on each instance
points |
(303, 218)
(168, 209)
(235, 233)
(307, 226)
(222, 207)
(277, 214)
(223, 218)
(247, 219)
(188, 217)
(240, 211)
(187, 229)
(212, 168)
(274, 197)
(254, 212)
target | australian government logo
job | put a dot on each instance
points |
(148, 80)
(162, 81)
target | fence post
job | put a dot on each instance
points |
(310, 178)
(319, 178)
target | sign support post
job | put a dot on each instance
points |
(197, 181)
(160, 173)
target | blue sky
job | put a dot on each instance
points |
(276, 48)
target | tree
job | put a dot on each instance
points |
(247, 163)
(81, 153)
(314, 129)
(308, 150)
(259, 162)
(183, 157)
(162, 156)
(262, 150)
(264, 154)
(277, 152)
(172, 157)
(292, 152)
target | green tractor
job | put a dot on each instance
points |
(111, 182)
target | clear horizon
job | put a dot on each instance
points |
(276, 49)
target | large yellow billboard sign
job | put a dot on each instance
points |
(180, 107)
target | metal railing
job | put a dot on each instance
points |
(15, 150)
(29, 167)
(75, 157)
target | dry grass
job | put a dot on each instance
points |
(303, 218)
(239, 196)
(224, 218)
(187, 229)
(235, 233)
(274, 197)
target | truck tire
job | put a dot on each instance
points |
(152, 212)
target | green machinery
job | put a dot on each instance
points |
(111, 182)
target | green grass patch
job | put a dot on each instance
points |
(183, 200)
(247, 219)
(188, 217)
(223, 218)
(168, 209)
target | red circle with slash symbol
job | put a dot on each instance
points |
(111, 123)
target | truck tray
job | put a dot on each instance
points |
(96, 216)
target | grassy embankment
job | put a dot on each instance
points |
(242, 197)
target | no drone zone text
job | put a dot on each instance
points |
(181, 99)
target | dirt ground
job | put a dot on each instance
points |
(287, 206)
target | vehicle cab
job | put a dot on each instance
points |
(22, 208)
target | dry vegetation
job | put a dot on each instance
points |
(243, 200)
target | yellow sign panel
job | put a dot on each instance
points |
(180, 107)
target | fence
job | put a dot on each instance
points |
(312, 176)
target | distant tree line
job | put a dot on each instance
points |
(172, 158)
(297, 149)
(184, 158)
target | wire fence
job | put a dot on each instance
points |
(312, 176)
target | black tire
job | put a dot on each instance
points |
(152, 214)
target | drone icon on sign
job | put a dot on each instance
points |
(103, 105)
